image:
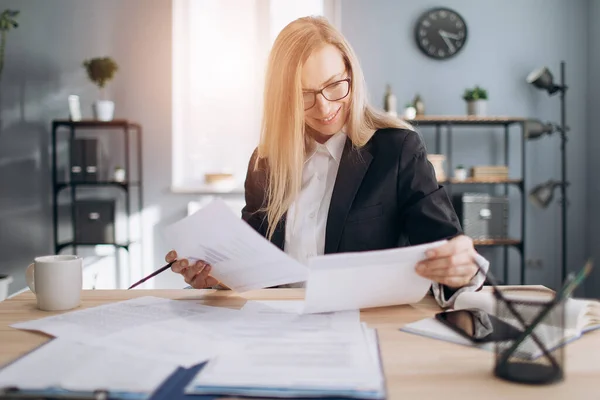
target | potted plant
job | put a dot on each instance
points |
(119, 175)
(7, 22)
(460, 173)
(101, 71)
(476, 99)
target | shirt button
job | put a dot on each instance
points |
(320, 177)
(310, 254)
(312, 214)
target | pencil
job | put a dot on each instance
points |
(158, 271)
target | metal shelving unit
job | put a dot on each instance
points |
(127, 129)
(447, 123)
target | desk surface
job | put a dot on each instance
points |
(415, 366)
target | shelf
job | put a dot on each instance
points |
(496, 242)
(90, 123)
(472, 181)
(208, 190)
(122, 185)
(464, 120)
(124, 245)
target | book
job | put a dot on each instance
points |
(580, 316)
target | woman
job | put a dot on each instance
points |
(332, 174)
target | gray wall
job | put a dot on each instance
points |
(506, 41)
(44, 66)
(593, 211)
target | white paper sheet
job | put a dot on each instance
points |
(274, 306)
(163, 329)
(316, 360)
(260, 319)
(348, 281)
(241, 258)
(76, 366)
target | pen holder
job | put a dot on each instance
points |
(536, 356)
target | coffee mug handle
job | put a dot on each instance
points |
(29, 276)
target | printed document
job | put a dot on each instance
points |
(317, 361)
(174, 331)
(68, 365)
(349, 281)
(240, 257)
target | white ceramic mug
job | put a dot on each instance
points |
(5, 280)
(56, 281)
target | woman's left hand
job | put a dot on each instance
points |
(451, 264)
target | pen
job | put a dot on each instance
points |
(158, 271)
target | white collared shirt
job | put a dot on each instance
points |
(307, 217)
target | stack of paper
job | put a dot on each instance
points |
(319, 355)
(266, 347)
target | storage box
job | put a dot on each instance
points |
(483, 216)
(95, 221)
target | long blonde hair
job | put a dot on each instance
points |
(284, 141)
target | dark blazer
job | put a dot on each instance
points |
(385, 195)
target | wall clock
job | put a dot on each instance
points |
(440, 33)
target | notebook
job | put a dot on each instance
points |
(581, 316)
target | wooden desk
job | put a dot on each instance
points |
(415, 367)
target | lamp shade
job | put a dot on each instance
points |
(542, 78)
(535, 129)
(542, 194)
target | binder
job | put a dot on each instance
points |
(77, 160)
(91, 160)
(174, 388)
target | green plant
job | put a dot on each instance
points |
(476, 93)
(7, 22)
(460, 166)
(100, 70)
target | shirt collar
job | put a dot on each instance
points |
(334, 147)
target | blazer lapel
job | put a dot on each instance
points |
(353, 166)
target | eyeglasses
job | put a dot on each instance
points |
(333, 92)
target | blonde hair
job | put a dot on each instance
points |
(283, 140)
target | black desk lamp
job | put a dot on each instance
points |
(541, 195)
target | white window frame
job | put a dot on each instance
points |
(181, 107)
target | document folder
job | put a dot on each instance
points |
(174, 388)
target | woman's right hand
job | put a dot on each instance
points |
(196, 275)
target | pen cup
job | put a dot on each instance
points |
(537, 357)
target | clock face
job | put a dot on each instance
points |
(441, 33)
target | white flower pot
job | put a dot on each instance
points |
(103, 110)
(5, 280)
(410, 113)
(460, 174)
(477, 107)
(119, 175)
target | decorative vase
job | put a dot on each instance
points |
(103, 110)
(5, 280)
(390, 102)
(477, 107)
(419, 105)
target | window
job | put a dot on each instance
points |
(220, 49)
